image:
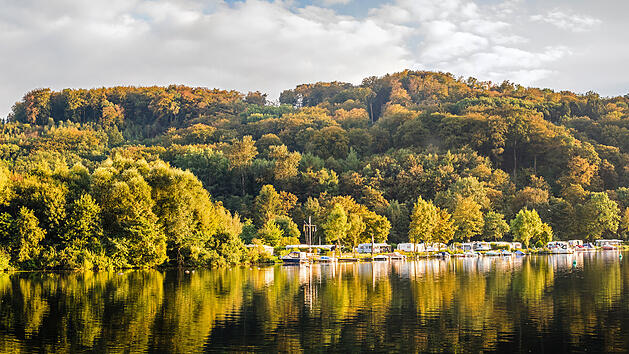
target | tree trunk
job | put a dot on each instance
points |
(242, 181)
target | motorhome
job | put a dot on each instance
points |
(481, 246)
(377, 248)
(411, 247)
(305, 247)
(608, 244)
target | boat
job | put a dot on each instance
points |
(609, 245)
(295, 258)
(559, 247)
(396, 256)
(380, 258)
(505, 253)
(492, 253)
(519, 253)
(443, 254)
(325, 259)
(470, 254)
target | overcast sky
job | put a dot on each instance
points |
(263, 45)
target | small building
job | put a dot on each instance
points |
(377, 248)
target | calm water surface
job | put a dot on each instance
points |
(528, 304)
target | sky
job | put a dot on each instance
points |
(273, 45)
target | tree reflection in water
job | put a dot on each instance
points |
(490, 303)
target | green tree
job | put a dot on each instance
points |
(468, 219)
(288, 227)
(336, 225)
(445, 228)
(286, 163)
(240, 154)
(355, 232)
(495, 226)
(28, 237)
(528, 225)
(267, 205)
(133, 230)
(270, 234)
(598, 215)
(424, 219)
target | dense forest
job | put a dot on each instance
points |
(149, 176)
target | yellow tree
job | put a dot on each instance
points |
(240, 154)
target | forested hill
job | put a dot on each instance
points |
(143, 176)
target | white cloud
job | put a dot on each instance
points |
(271, 45)
(335, 2)
(567, 21)
(252, 45)
(469, 40)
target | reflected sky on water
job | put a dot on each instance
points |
(553, 304)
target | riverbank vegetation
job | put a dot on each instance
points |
(150, 176)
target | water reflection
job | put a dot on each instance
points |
(538, 303)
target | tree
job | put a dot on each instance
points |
(267, 205)
(495, 226)
(376, 226)
(527, 225)
(336, 224)
(256, 97)
(545, 236)
(624, 224)
(356, 229)
(270, 233)
(28, 236)
(286, 162)
(468, 187)
(424, 219)
(445, 228)
(184, 210)
(598, 215)
(288, 226)
(132, 228)
(240, 154)
(468, 219)
(84, 226)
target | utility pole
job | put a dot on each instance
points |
(309, 228)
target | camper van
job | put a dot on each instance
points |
(377, 248)
(411, 247)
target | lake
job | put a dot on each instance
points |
(524, 304)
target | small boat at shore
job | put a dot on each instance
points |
(295, 258)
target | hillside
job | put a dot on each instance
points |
(144, 176)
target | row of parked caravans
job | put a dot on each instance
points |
(479, 246)
(465, 247)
